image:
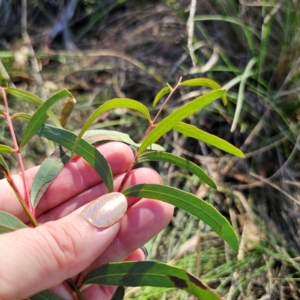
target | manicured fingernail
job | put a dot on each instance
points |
(144, 249)
(106, 210)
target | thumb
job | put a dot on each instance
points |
(35, 259)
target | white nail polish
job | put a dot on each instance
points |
(106, 210)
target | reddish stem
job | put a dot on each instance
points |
(151, 126)
(17, 149)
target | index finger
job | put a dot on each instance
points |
(75, 177)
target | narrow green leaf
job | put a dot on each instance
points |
(45, 295)
(40, 116)
(179, 114)
(160, 94)
(47, 172)
(114, 103)
(197, 207)
(101, 136)
(196, 133)
(2, 112)
(9, 223)
(204, 82)
(67, 139)
(3, 165)
(23, 116)
(29, 97)
(4, 148)
(119, 293)
(150, 273)
(180, 162)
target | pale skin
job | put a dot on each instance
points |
(66, 245)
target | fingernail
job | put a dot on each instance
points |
(106, 210)
(144, 249)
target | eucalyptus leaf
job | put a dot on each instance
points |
(27, 96)
(67, 139)
(9, 223)
(150, 273)
(31, 98)
(179, 114)
(119, 293)
(190, 203)
(45, 295)
(180, 162)
(100, 136)
(196, 133)
(114, 103)
(47, 172)
(3, 165)
(40, 116)
(5, 148)
(160, 94)
(204, 82)
(23, 116)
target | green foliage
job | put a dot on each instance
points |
(181, 113)
(127, 103)
(128, 273)
(196, 133)
(150, 273)
(67, 139)
(4, 148)
(9, 222)
(180, 162)
(190, 203)
(40, 116)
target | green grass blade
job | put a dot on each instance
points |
(45, 295)
(190, 203)
(204, 82)
(229, 20)
(47, 172)
(67, 139)
(180, 162)
(40, 116)
(4, 148)
(9, 223)
(101, 136)
(196, 133)
(240, 99)
(160, 94)
(114, 103)
(181, 113)
(150, 273)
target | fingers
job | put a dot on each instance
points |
(137, 176)
(49, 254)
(75, 178)
(141, 222)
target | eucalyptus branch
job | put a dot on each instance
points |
(151, 126)
(29, 210)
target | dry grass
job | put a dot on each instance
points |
(126, 48)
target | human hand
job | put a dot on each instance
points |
(67, 245)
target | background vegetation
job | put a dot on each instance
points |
(101, 50)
